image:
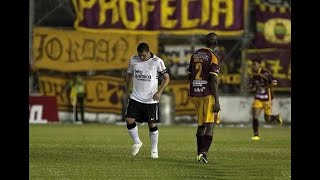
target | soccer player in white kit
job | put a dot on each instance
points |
(143, 72)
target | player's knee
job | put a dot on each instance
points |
(209, 129)
(152, 129)
(200, 130)
(151, 125)
(129, 120)
(131, 126)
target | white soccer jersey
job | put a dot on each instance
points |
(145, 77)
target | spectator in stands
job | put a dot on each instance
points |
(76, 90)
(203, 75)
(143, 71)
(262, 80)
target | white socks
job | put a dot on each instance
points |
(154, 140)
(154, 136)
(134, 135)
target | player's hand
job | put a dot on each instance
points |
(216, 108)
(156, 96)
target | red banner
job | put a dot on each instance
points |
(273, 23)
(169, 16)
(43, 109)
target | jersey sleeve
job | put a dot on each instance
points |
(271, 79)
(161, 67)
(214, 66)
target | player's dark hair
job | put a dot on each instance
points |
(211, 39)
(256, 60)
(143, 47)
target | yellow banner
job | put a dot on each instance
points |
(103, 93)
(183, 105)
(70, 51)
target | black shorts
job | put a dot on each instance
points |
(142, 112)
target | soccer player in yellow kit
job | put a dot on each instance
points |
(262, 80)
(203, 75)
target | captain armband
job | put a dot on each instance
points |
(163, 72)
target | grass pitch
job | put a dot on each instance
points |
(99, 151)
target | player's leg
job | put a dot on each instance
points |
(200, 130)
(208, 139)
(268, 116)
(153, 119)
(133, 132)
(76, 109)
(200, 141)
(256, 110)
(208, 136)
(279, 119)
(255, 123)
(209, 120)
(131, 115)
(154, 136)
(81, 106)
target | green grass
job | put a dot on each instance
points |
(99, 151)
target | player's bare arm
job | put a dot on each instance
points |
(164, 84)
(128, 84)
(214, 85)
